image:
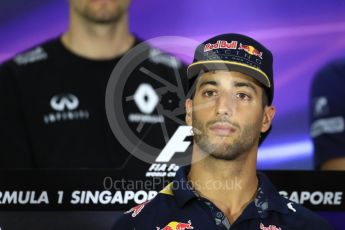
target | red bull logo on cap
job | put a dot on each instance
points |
(174, 225)
(221, 44)
(251, 50)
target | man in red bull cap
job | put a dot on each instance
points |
(230, 112)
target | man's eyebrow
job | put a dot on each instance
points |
(208, 82)
(245, 84)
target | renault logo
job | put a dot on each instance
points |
(146, 98)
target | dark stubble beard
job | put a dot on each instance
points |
(226, 151)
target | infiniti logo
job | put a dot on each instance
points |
(65, 109)
(62, 101)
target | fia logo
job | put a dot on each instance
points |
(64, 101)
(176, 144)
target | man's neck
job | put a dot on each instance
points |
(98, 41)
(230, 185)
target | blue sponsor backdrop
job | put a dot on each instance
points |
(302, 35)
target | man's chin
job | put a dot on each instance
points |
(222, 152)
(223, 139)
(224, 156)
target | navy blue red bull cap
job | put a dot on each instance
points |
(235, 52)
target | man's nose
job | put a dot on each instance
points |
(225, 105)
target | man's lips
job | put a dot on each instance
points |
(222, 128)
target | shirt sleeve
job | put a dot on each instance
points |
(14, 144)
(327, 111)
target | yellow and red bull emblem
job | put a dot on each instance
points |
(137, 209)
(174, 225)
(270, 227)
(251, 50)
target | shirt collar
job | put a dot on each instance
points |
(267, 197)
(182, 189)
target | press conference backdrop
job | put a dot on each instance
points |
(302, 35)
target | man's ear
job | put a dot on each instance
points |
(269, 112)
(189, 109)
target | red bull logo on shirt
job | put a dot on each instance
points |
(174, 225)
(137, 209)
(250, 50)
(270, 227)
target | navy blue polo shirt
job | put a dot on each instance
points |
(179, 207)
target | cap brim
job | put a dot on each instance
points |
(195, 68)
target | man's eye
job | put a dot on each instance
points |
(243, 96)
(210, 93)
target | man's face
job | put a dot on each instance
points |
(100, 11)
(227, 114)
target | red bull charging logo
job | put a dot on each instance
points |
(137, 209)
(251, 50)
(270, 227)
(174, 225)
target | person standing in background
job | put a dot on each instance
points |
(327, 114)
(52, 96)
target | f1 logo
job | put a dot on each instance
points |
(146, 98)
(62, 101)
(175, 144)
